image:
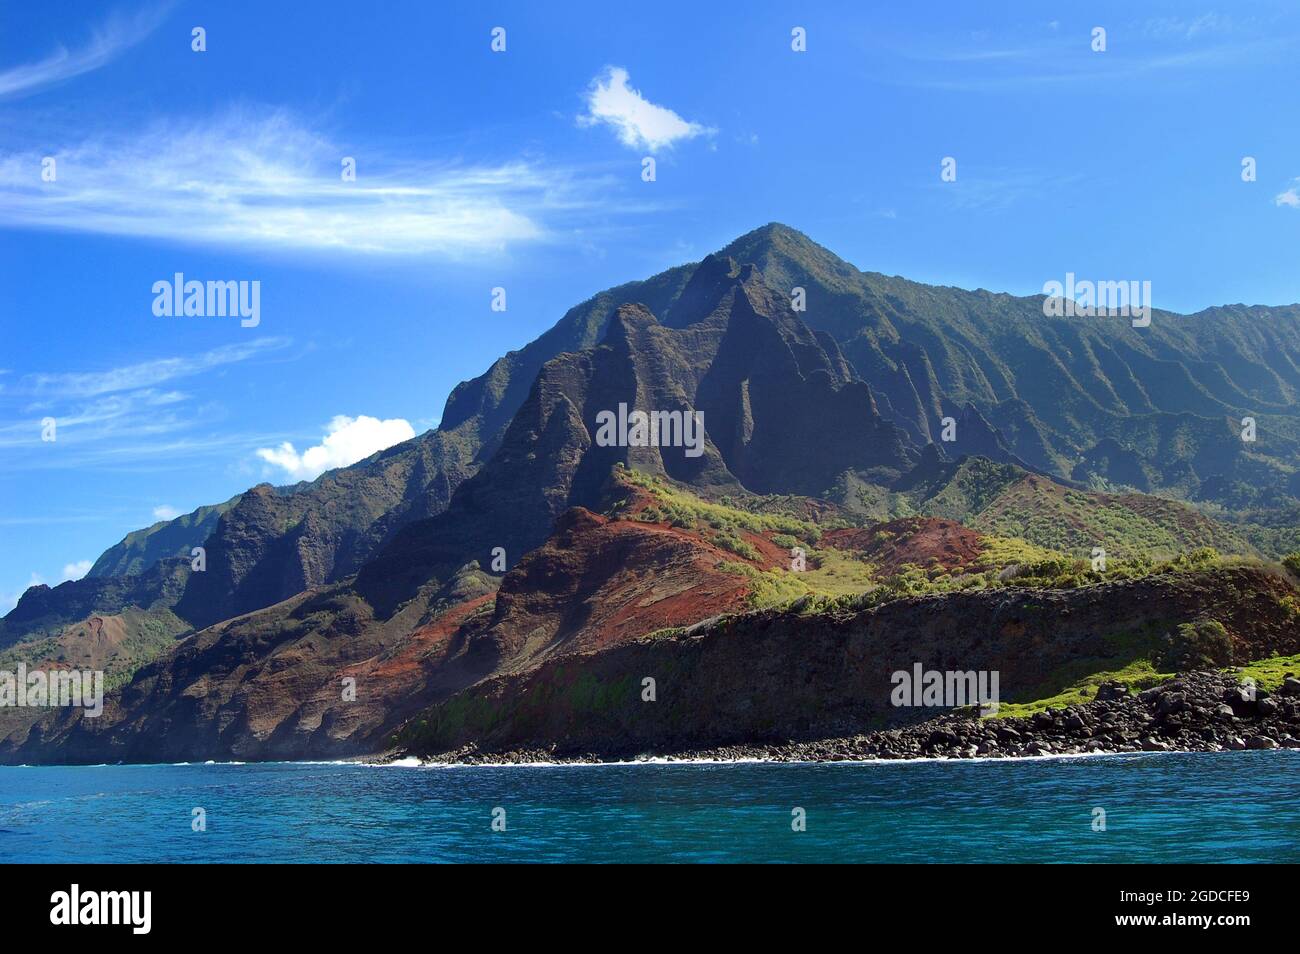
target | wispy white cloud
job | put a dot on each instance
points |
(258, 179)
(1290, 197)
(1018, 59)
(122, 416)
(993, 189)
(106, 42)
(639, 123)
(146, 374)
(1187, 28)
(165, 512)
(347, 440)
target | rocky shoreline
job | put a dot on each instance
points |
(1195, 712)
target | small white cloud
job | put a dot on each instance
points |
(75, 571)
(347, 440)
(1289, 198)
(638, 122)
(165, 512)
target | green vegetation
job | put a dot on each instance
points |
(969, 490)
(149, 634)
(1292, 562)
(1130, 657)
(1141, 674)
(141, 549)
(1011, 551)
(838, 575)
(1269, 673)
(1128, 527)
(1203, 644)
(729, 541)
(1137, 675)
(1149, 658)
(144, 635)
(1052, 571)
(681, 508)
(768, 588)
(870, 501)
(1274, 530)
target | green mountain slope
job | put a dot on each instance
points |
(141, 549)
(837, 399)
(1065, 391)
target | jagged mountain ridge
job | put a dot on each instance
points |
(780, 413)
(1056, 387)
(141, 549)
(313, 533)
(1151, 408)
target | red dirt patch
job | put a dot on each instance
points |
(428, 644)
(771, 555)
(924, 541)
(597, 582)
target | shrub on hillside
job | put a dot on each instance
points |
(1204, 644)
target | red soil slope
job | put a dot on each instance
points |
(924, 541)
(597, 582)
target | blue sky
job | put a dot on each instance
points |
(522, 169)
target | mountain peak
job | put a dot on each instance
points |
(774, 236)
(788, 258)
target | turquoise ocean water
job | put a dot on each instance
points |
(1227, 807)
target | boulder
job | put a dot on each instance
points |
(1112, 691)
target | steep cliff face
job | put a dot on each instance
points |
(272, 685)
(387, 572)
(1094, 400)
(487, 403)
(165, 539)
(781, 675)
(779, 412)
(560, 641)
(1056, 387)
(271, 545)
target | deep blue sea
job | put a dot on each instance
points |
(1226, 807)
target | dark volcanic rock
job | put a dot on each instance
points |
(771, 676)
(1061, 733)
